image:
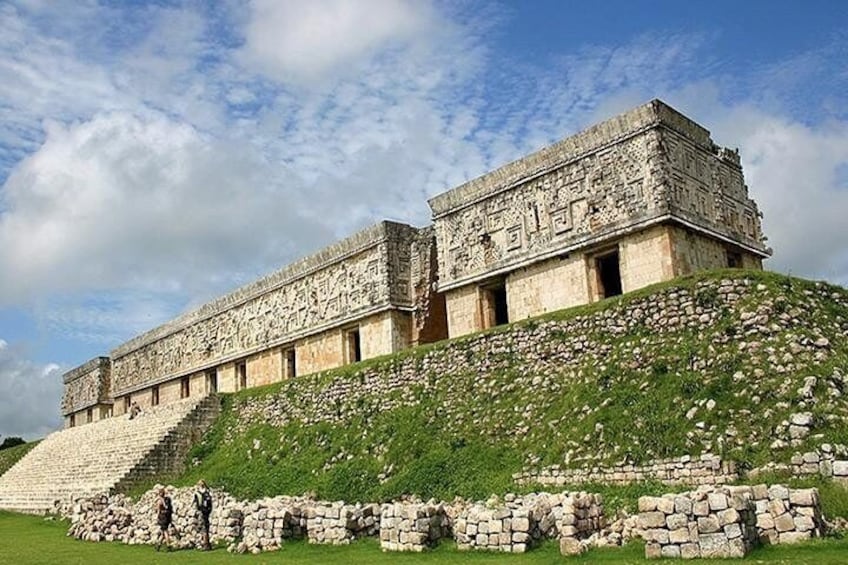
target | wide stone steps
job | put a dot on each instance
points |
(96, 458)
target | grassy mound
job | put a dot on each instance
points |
(717, 362)
(11, 455)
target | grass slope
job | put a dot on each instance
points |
(28, 540)
(11, 455)
(634, 394)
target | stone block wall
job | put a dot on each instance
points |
(829, 461)
(785, 515)
(706, 469)
(645, 258)
(714, 522)
(412, 526)
(268, 522)
(494, 529)
(547, 286)
(727, 521)
(519, 523)
(117, 518)
(337, 523)
(708, 522)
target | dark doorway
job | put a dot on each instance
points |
(154, 396)
(241, 370)
(495, 310)
(185, 387)
(734, 259)
(291, 364)
(609, 275)
(354, 346)
(212, 381)
(501, 310)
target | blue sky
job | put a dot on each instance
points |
(156, 155)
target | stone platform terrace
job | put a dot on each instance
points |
(105, 456)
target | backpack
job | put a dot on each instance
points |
(205, 505)
(166, 511)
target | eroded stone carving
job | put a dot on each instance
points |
(86, 385)
(367, 272)
(649, 165)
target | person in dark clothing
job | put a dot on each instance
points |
(203, 509)
(164, 517)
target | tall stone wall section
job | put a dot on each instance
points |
(648, 165)
(364, 274)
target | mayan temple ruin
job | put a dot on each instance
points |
(641, 198)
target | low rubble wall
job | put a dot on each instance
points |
(707, 469)
(727, 521)
(712, 521)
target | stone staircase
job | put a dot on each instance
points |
(106, 456)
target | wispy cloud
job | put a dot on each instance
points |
(305, 42)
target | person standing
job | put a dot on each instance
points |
(164, 517)
(203, 509)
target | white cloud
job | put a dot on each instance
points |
(29, 405)
(143, 202)
(296, 41)
(792, 169)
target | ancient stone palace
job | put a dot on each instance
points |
(638, 199)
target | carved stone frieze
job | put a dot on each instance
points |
(648, 165)
(368, 271)
(87, 385)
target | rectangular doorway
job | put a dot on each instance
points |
(494, 305)
(212, 381)
(154, 396)
(734, 259)
(185, 387)
(609, 274)
(241, 374)
(353, 344)
(290, 364)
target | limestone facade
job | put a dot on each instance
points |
(635, 200)
(632, 201)
(87, 395)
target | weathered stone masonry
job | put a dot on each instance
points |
(637, 199)
(87, 394)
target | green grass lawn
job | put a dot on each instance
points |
(28, 540)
